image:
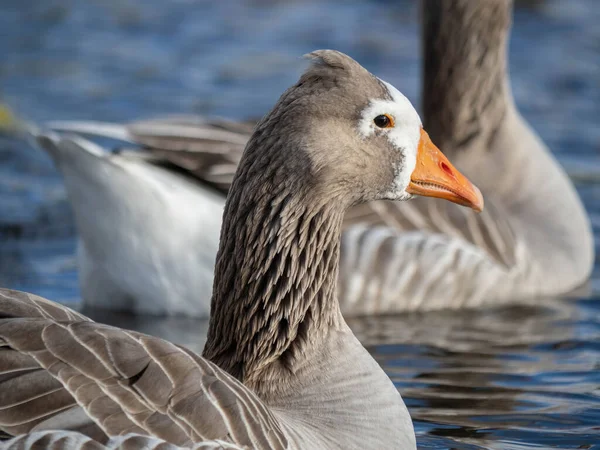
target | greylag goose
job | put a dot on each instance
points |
(534, 239)
(281, 368)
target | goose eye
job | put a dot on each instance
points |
(384, 121)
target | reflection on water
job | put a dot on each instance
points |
(510, 378)
(514, 378)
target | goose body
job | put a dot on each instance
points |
(103, 385)
(137, 230)
(533, 240)
(281, 369)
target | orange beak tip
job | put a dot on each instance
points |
(434, 176)
(479, 204)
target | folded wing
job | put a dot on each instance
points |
(125, 382)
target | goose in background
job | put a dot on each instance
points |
(281, 369)
(144, 248)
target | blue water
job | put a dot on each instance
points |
(514, 378)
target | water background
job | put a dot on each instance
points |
(514, 378)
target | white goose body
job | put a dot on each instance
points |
(281, 369)
(141, 246)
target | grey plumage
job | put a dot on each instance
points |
(69, 440)
(282, 370)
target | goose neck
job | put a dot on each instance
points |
(465, 84)
(274, 294)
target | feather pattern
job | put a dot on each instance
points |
(126, 382)
(61, 440)
(31, 398)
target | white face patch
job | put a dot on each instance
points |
(404, 136)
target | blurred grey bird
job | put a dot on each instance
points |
(148, 219)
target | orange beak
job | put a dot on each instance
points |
(434, 176)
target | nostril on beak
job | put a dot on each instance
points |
(446, 168)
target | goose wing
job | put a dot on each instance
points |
(70, 440)
(419, 254)
(488, 230)
(125, 382)
(30, 398)
(208, 149)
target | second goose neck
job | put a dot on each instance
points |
(465, 87)
(276, 270)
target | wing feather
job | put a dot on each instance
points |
(125, 381)
(421, 254)
(68, 440)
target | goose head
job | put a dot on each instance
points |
(339, 136)
(358, 135)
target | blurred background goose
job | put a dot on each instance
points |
(533, 240)
(281, 368)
